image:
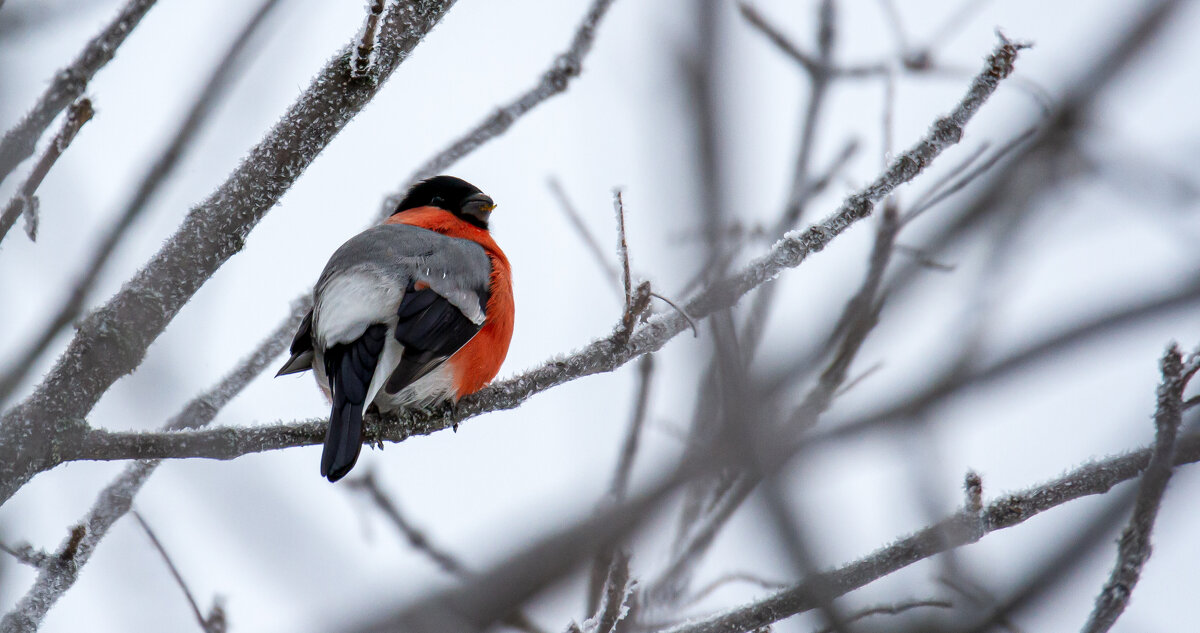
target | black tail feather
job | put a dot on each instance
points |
(349, 368)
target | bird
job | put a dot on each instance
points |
(413, 312)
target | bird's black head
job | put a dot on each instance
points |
(455, 195)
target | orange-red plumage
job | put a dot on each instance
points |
(480, 359)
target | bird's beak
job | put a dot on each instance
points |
(478, 206)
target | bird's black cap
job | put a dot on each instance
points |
(452, 194)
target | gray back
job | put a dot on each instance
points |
(456, 269)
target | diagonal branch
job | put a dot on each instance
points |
(24, 202)
(117, 498)
(1134, 548)
(162, 551)
(68, 85)
(554, 81)
(952, 532)
(112, 341)
(369, 485)
(222, 76)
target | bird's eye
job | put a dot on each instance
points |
(436, 201)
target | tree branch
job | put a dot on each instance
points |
(68, 85)
(112, 341)
(222, 76)
(554, 81)
(117, 498)
(24, 201)
(162, 551)
(952, 532)
(1134, 548)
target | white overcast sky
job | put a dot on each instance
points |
(290, 552)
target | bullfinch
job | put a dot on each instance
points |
(413, 312)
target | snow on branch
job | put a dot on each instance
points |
(116, 499)
(961, 529)
(1133, 549)
(24, 202)
(205, 103)
(68, 85)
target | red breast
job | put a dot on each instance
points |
(477, 362)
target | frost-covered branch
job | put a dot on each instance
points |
(68, 85)
(600, 356)
(955, 531)
(112, 341)
(554, 81)
(25, 202)
(222, 77)
(117, 498)
(1134, 548)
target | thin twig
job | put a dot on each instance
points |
(585, 235)
(360, 61)
(728, 579)
(369, 485)
(206, 101)
(941, 191)
(683, 313)
(617, 490)
(623, 255)
(893, 609)
(1134, 548)
(24, 202)
(162, 551)
(620, 482)
(68, 85)
(566, 67)
(27, 554)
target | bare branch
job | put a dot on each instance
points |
(24, 202)
(953, 378)
(117, 498)
(68, 85)
(222, 77)
(112, 341)
(623, 255)
(620, 482)
(162, 551)
(952, 532)
(893, 609)
(566, 67)
(584, 234)
(748, 578)
(1134, 548)
(27, 554)
(617, 590)
(617, 490)
(369, 485)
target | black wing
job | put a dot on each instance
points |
(431, 329)
(302, 349)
